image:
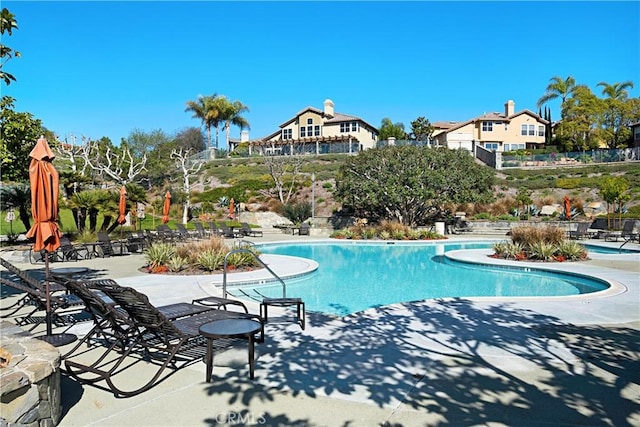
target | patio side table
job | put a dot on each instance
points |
(230, 328)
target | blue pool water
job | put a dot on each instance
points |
(354, 277)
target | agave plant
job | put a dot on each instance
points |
(210, 260)
(513, 249)
(159, 254)
(543, 251)
(177, 263)
(500, 248)
(572, 250)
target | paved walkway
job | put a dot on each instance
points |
(482, 361)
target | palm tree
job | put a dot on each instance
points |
(19, 197)
(207, 109)
(617, 91)
(558, 88)
(232, 115)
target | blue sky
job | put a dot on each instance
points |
(105, 68)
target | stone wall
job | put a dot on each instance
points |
(30, 384)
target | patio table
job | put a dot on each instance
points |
(229, 328)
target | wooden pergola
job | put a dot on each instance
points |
(310, 145)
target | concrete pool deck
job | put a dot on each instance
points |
(481, 361)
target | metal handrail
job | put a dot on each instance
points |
(257, 258)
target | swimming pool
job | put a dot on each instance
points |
(356, 276)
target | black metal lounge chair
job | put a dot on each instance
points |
(184, 233)
(150, 336)
(303, 230)
(580, 232)
(460, 226)
(227, 231)
(246, 230)
(69, 252)
(108, 247)
(627, 233)
(202, 232)
(36, 300)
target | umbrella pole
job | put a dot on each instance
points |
(48, 296)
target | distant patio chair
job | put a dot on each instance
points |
(303, 230)
(580, 232)
(108, 247)
(246, 230)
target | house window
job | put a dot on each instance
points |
(540, 130)
(493, 146)
(344, 127)
(513, 147)
(287, 134)
(528, 130)
(487, 126)
(317, 130)
(354, 126)
(303, 131)
(310, 130)
(532, 130)
(309, 121)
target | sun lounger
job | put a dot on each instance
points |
(150, 336)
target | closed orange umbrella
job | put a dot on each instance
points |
(567, 207)
(122, 218)
(232, 208)
(165, 208)
(44, 182)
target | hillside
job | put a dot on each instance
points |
(548, 185)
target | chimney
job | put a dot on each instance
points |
(244, 136)
(328, 107)
(509, 108)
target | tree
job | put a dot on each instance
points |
(421, 130)
(8, 23)
(207, 109)
(612, 191)
(18, 135)
(181, 157)
(558, 88)
(191, 138)
(389, 129)
(18, 197)
(116, 163)
(411, 184)
(231, 114)
(579, 116)
(523, 197)
(284, 171)
(617, 114)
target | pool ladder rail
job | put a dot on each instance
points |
(266, 302)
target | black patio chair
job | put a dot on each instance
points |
(151, 337)
(109, 247)
(246, 230)
(70, 252)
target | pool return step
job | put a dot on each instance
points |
(266, 302)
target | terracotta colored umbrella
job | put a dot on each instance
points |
(122, 218)
(44, 180)
(567, 207)
(165, 208)
(232, 208)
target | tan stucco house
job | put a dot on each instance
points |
(494, 131)
(316, 131)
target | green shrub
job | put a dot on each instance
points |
(543, 250)
(211, 260)
(297, 212)
(177, 263)
(159, 254)
(572, 250)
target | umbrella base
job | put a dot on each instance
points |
(58, 340)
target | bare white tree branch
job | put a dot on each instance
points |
(187, 168)
(120, 167)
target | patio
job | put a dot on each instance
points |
(573, 360)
